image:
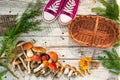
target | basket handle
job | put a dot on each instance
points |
(95, 29)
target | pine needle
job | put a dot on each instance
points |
(24, 24)
(112, 61)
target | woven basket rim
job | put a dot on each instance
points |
(115, 27)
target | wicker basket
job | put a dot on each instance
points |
(93, 31)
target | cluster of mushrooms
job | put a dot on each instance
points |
(34, 59)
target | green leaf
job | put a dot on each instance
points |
(0, 78)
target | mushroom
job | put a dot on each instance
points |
(19, 55)
(60, 72)
(44, 64)
(53, 56)
(20, 43)
(45, 56)
(75, 73)
(67, 69)
(52, 67)
(34, 65)
(28, 59)
(72, 70)
(47, 72)
(39, 50)
(27, 47)
(16, 63)
(58, 68)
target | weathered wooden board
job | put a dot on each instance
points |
(55, 37)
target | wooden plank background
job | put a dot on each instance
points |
(55, 37)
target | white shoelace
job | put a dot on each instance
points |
(69, 7)
(54, 6)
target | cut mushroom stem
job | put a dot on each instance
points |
(67, 69)
(72, 70)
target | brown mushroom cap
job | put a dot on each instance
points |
(53, 55)
(67, 66)
(39, 49)
(73, 68)
(19, 43)
(27, 45)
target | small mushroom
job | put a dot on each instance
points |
(52, 68)
(53, 56)
(44, 64)
(47, 72)
(60, 72)
(72, 70)
(27, 47)
(20, 43)
(34, 65)
(75, 73)
(36, 58)
(58, 69)
(16, 63)
(67, 69)
(28, 59)
(45, 56)
(39, 50)
(21, 59)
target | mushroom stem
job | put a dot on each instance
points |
(59, 73)
(38, 68)
(47, 73)
(28, 67)
(67, 68)
(29, 53)
(73, 69)
(20, 70)
(23, 52)
(23, 63)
